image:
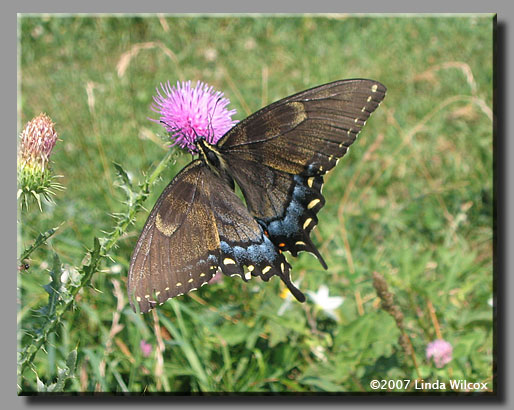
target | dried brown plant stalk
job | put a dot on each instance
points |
(387, 298)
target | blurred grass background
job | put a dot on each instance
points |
(413, 200)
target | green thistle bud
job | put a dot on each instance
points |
(34, 175)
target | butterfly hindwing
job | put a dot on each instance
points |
(278, 155)
(286, 205)
(246, 250)
(198, 226)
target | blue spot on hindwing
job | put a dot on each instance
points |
(300, 191)
(239, 253)
(225, 247)
(289, 226)
(263, 253)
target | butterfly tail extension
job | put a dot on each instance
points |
(300, 297)
(311, 248)
(286, 278)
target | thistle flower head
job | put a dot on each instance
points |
(441, 351)
(35, 147)
(36, 142)
(189, 113)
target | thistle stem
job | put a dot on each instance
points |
(99, 252)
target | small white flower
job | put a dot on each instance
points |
(325, 302)
(116, 268)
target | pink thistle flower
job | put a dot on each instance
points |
(441, 351)
(189, 113)
(146, 348)
(35, 180)
(36, 143)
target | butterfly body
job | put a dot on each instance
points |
(277, 157)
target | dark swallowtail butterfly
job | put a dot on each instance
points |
(278, 157)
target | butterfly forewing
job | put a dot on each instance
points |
(278, 155)
(307, 132)
(178, 249)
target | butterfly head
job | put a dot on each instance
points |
(208, 152)
(211, 155)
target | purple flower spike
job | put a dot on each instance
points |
(189, 113)
(441, 351)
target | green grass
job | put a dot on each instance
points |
(412, 200)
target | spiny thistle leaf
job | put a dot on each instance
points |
(122, 174)
(63, 375)
(40, 240)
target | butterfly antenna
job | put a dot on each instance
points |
(210, 126)
(174, 128)
(197, 137)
